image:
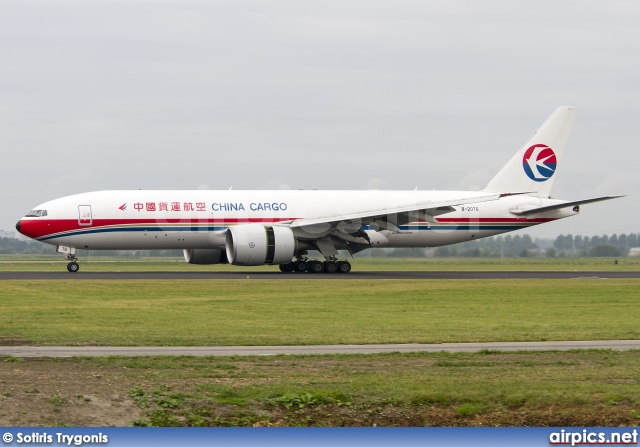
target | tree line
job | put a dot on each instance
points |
(491, 247)
(614, 245)
(16, 246)
(525, 246)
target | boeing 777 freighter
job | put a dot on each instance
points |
(249, 228)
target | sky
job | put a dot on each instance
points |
(316, 95)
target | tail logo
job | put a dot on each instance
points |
(539, 162)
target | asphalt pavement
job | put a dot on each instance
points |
(203, 351)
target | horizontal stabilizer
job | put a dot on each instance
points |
(561, 205)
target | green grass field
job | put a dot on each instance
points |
(270, 312)
(575, 388)
(404, 389)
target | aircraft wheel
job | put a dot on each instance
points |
(315, 267)
(73, 267)
(286, 268)
(344, 267)
(330, 267)
(299, 266)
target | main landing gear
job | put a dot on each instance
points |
(313, 266)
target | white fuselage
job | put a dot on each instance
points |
(198, 219)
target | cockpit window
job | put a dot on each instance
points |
(37, 213)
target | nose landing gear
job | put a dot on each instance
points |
(73, 266)
(70, 252)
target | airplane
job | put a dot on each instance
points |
(250, 228)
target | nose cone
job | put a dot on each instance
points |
(33, 228)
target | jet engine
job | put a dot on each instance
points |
(255, 244)
(205, 256)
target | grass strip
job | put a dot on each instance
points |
(360, 263)
(257, 312)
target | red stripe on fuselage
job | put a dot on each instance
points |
(38, 227)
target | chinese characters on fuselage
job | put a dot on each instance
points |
(215, 206)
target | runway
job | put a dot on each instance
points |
(219, 351)
(275, 275)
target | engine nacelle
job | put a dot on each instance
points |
(205, 256)
(255, 244)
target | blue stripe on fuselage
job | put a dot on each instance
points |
(222, 228)
(128, 230)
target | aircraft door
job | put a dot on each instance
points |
(84, 215)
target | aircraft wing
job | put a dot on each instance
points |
(394, 216)
(558, 206)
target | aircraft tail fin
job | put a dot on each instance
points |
(534, 166)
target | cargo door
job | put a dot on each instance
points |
(84, 215)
